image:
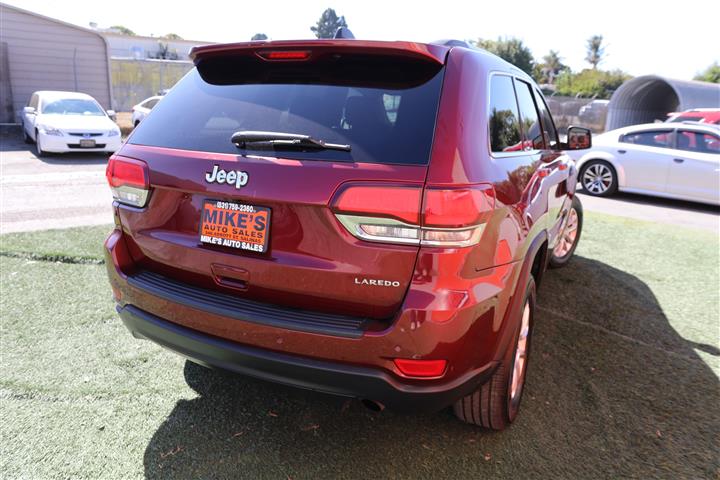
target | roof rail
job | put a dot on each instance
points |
(452, 42)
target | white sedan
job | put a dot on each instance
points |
(673, 160)
(141, 110)
(69, 122)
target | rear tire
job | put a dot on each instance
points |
(570, 236)
(496, 403)
(598, 178)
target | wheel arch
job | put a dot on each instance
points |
(534, 264)
(606, 157)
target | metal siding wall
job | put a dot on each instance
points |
(44, 55)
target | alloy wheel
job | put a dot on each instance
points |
(521, 352)
(568, 236)
(597, 178)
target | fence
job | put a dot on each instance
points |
(583, 112)
(133, 80)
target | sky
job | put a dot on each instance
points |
(676, 40)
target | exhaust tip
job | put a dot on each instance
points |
(372, 405)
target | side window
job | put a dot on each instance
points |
(150, 104)
(504, 119)
(650, 138)
(529, 115)
(551, 137)
(34, 101)
(698, 142)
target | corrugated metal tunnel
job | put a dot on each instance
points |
(650, 97)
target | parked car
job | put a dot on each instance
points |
(68, 122)
(342, 216)
(702, 115)
(141, 110)
(594, 114)
(673, 160)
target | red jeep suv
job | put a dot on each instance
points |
(364, 218)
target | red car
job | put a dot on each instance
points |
(344, 216)
(702, 115)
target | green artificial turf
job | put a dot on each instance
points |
(623, 381)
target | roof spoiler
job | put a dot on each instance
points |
(318, 48)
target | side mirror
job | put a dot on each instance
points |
(112, 114)
(29, 110)
(578, 138)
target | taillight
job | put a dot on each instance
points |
(447, 217)
(129, 180)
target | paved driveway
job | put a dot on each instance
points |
(60, 191)
(56, 191)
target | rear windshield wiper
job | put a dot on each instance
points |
(273, 140)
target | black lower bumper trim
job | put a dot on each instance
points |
(322, 376)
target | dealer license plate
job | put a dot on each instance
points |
(235, 225)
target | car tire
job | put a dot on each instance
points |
(495, 404)
(598, 178)
(563, 251)
(38, 146)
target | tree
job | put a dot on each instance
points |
(590, 83)
(511, 50)
(710, 74)
(328, 24)
(550, 68)
(595, 51)
(259, 36)
(123, 30)
(172, 36)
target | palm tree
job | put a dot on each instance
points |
(595, 50)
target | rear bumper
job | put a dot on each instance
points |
(311, 374)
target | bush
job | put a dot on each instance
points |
(590, 83)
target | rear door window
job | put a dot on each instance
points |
(386, 112)
(698, 142)
(504, 121)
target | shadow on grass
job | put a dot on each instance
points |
(612, 391)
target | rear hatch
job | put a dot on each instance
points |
(257, 219)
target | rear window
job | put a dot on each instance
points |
(384, 108)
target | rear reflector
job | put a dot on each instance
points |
(420, 368)
(284, 54)
(129, 180)
(452, 217)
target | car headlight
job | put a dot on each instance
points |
(113, 133)
(47, 130)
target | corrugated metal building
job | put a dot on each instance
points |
(650, 97)
(47, 54)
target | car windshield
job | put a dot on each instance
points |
(72, 106)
